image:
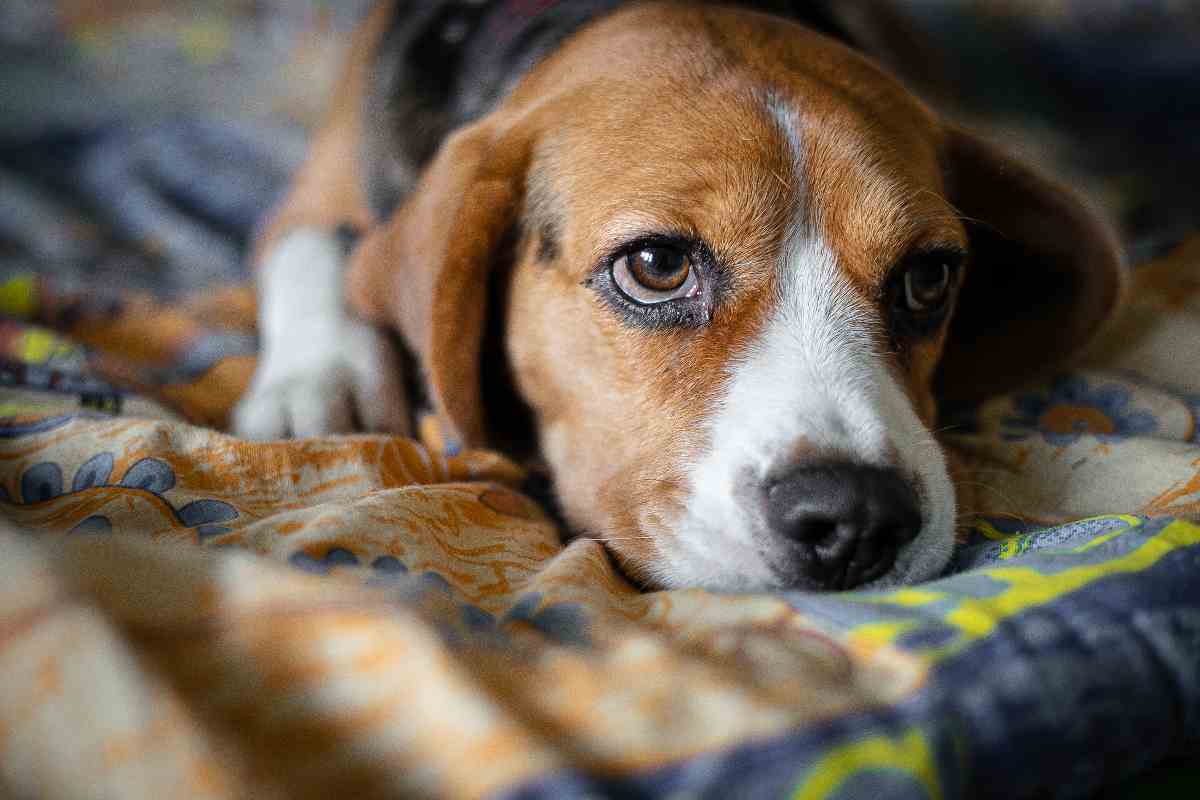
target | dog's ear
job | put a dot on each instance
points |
(1045, 272)
(427, 269)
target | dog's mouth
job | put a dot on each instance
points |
(795, 570)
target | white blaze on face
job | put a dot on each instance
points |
(814, 386)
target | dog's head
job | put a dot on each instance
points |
(740, 261)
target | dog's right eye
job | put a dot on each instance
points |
(656, 274)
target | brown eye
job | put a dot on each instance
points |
(926, 286)
(656, 274)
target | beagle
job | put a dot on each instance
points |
(721, 263)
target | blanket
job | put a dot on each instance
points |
(183, 613)
(186, 612)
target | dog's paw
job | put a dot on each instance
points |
(339, 380)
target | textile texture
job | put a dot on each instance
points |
(183, 613)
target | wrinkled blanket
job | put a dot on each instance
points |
(193, 614)
(183, 614)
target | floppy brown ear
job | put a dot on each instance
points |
(1045, 272)
(426, 270)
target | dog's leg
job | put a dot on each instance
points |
(321, 369)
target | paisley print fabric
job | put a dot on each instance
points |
(183, 614)
(182, 611)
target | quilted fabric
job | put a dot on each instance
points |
(195, 614)
(185, 614)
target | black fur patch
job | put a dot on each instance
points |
(347, 236)
(548, 246)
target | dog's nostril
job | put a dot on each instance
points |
(814, 530)
(908, 533)
(849, 520)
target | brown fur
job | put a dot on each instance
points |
(656, 119)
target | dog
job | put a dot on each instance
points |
(722, 264)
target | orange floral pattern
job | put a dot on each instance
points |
(182, 612)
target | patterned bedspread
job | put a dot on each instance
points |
(186, 614)
(195, 614)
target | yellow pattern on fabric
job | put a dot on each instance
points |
(978, 617)
(910, 755)
(40, 346)
(18, 297)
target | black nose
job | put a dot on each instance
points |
(843, 523)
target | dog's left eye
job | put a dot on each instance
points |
(655, 274)
(926, 284)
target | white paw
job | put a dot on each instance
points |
(321, 371)
(316, 389)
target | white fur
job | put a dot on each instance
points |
(813, 380)
(318, 365)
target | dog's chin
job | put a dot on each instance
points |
(925, 559)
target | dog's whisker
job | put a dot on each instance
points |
(922, 447)
(1005, 498)
(996, 513)
(982, 471)
(946, 428)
